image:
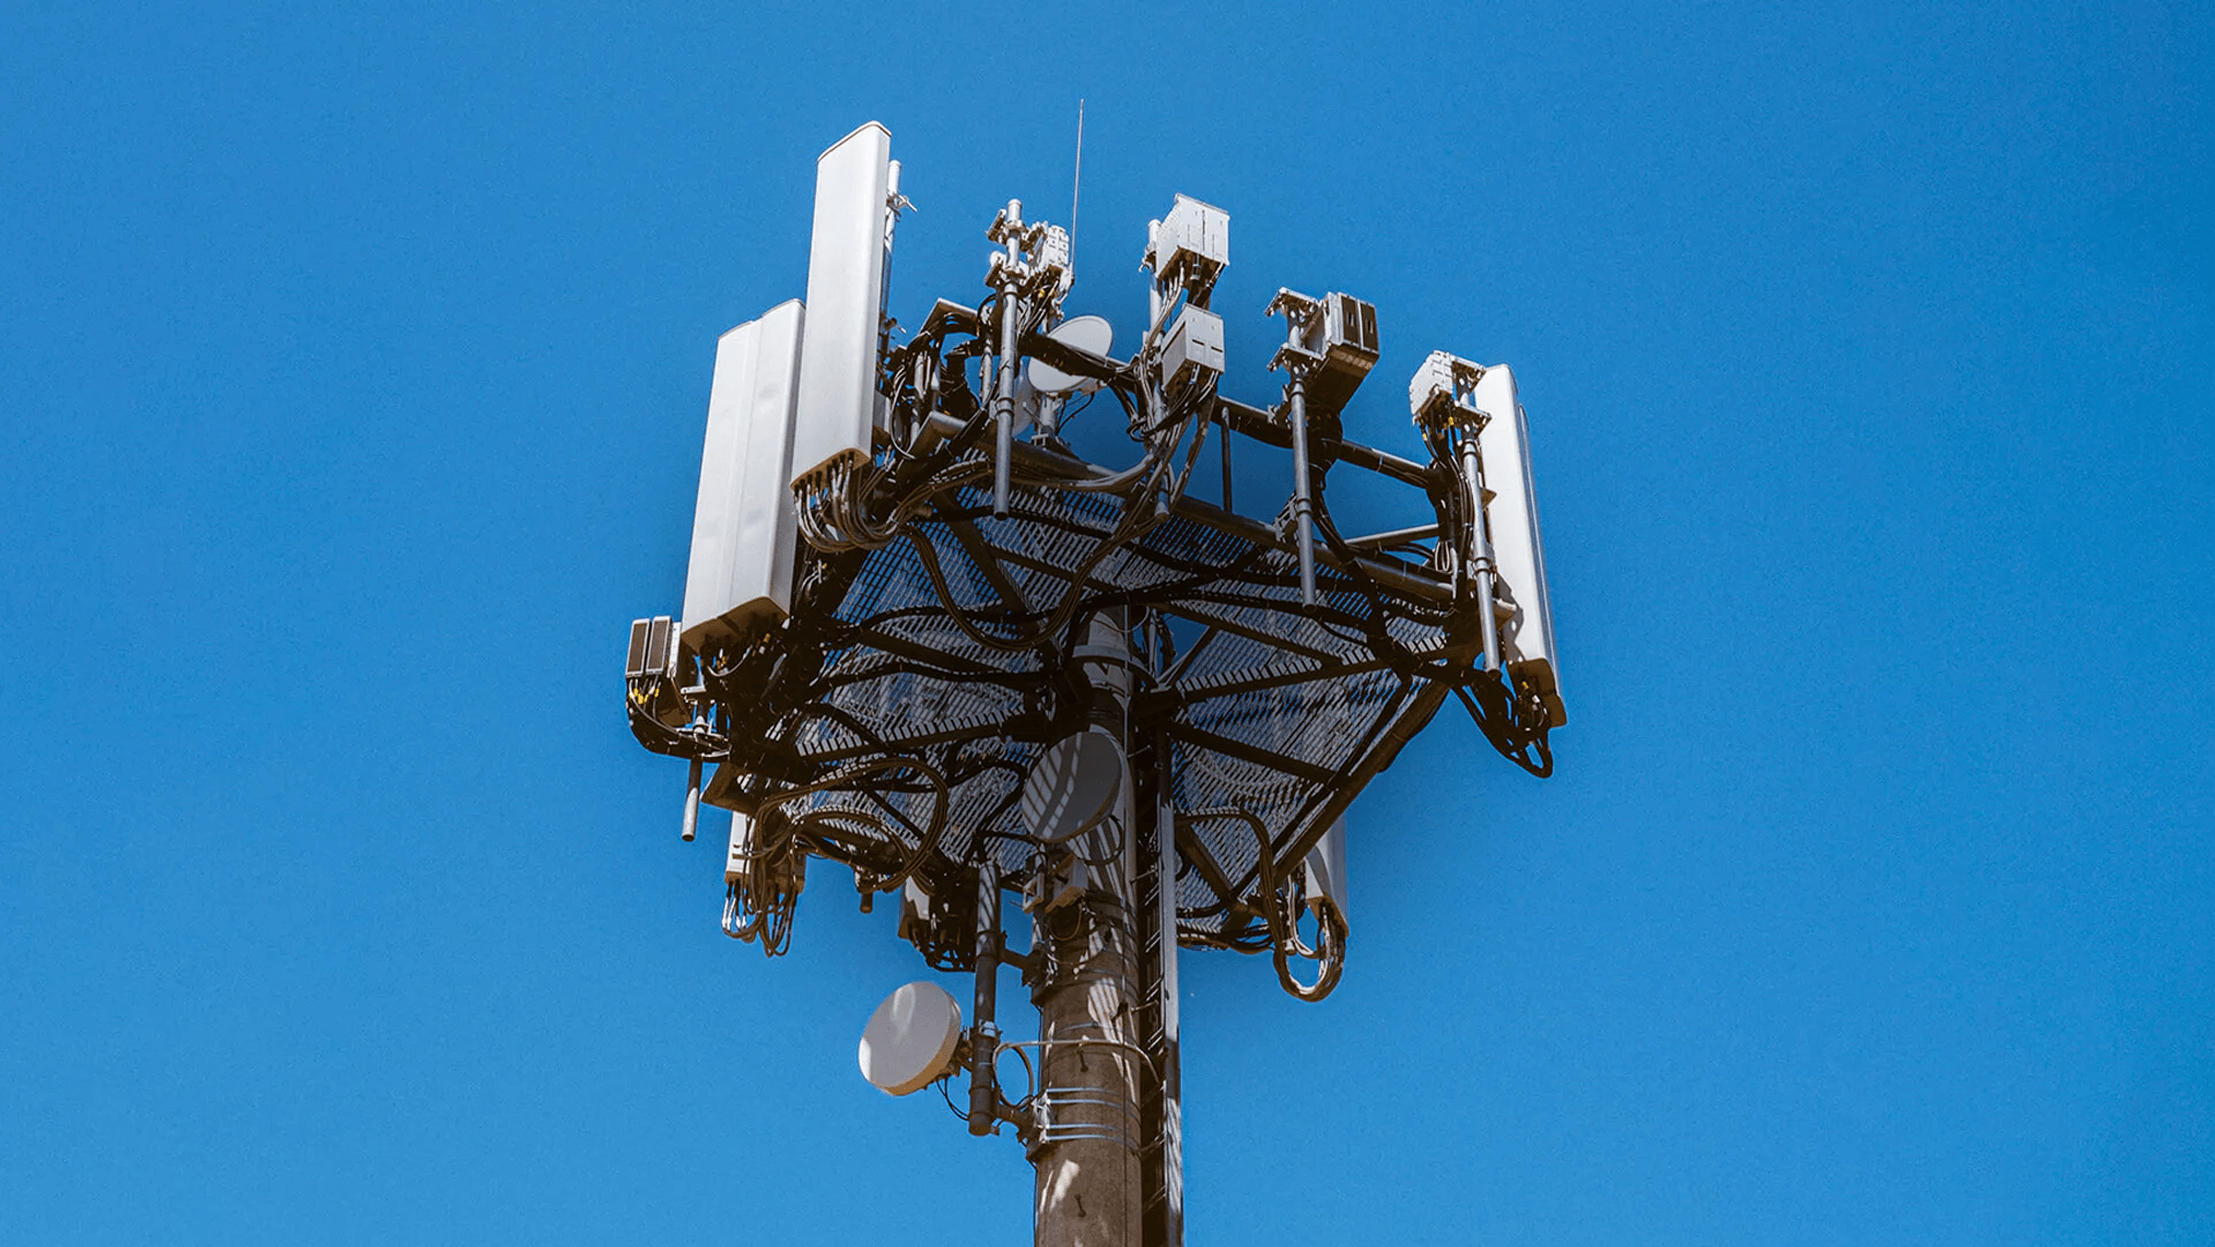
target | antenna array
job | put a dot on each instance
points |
(925, 639)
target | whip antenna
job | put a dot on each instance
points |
(1076, 182)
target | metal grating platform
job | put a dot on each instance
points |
(1277, 709)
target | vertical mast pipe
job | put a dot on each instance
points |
(984, 1032)
(1087, 1128)
(1480, 549)
(1003, 398)
(1303, 502)
(692, 802)
(1164, 867)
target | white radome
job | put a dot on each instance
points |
(1073, 786)
(910, 1039)
(1086, 333)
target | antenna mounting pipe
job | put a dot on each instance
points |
(692, 803)
(1303, 503)
(1003, 398)
(984, 1041)
(1480, 548)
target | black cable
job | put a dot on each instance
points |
(1515, 725)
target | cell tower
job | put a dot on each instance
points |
(925, 639)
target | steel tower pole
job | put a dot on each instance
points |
(1088, 1131)
(1162, 1163)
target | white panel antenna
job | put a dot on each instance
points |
(1511, 513)
(847, 258)
(1326, 869)
(744, 530)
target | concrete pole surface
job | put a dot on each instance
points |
(1089, 1186)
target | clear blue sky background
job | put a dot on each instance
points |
(353, 366)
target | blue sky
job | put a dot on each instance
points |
(353, 368)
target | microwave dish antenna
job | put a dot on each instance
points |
(1091, 334)
(910, 1040)
(1073, 786)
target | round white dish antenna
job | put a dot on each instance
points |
(910, 1039)
(1073, 786)
(1086, 333)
